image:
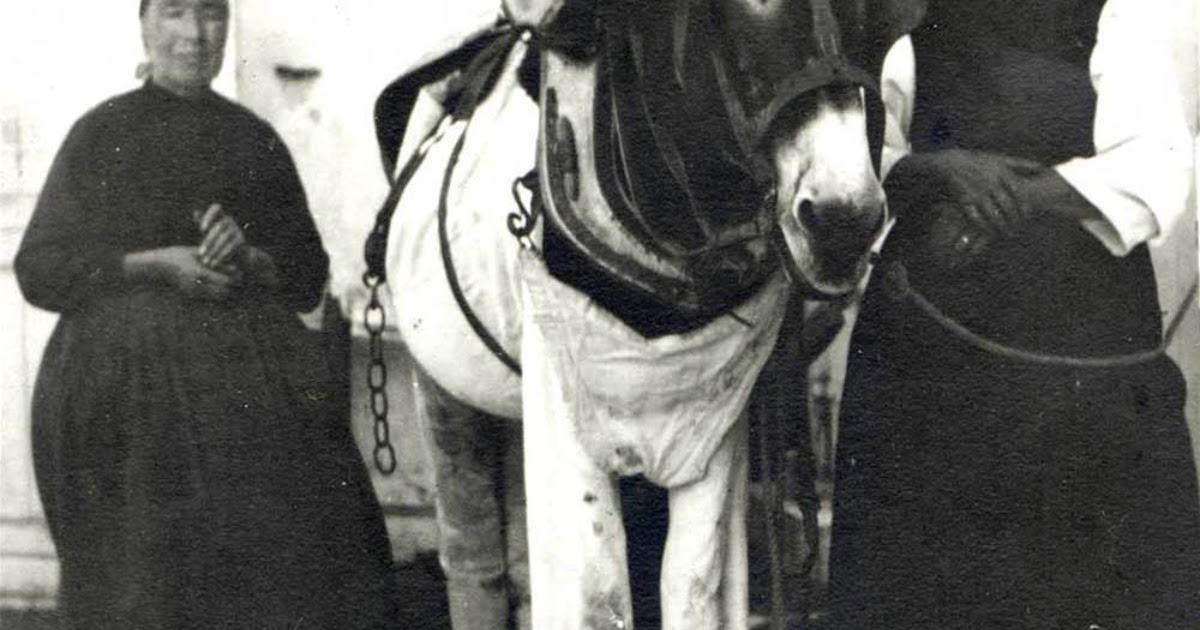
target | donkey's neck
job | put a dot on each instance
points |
(649, 315)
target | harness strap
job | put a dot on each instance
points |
(375, 250)
(395, 104)
(819, 73)
(473, 320)
(486, 55)
(898, 288)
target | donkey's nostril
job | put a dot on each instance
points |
(808, 214)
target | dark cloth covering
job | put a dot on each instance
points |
(194, 469)
(976, 492)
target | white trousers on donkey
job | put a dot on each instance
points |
(600, 401)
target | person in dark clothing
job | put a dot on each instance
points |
(194, 470)
(980, 491)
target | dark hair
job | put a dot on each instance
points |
(142, 8)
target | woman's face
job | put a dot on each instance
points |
(185, 42)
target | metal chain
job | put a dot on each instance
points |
(375, 320)
(374, 317)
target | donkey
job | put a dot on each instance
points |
(618, 283)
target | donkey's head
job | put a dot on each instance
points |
(751, 99)
(722, 134)
(805, 75)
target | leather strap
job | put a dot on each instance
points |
(473, 320)
(479, 76)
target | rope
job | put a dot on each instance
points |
(899, 288)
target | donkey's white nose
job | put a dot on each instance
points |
(841, 228)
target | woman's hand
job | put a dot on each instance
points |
(180, 266)
(223, 241)
(990, 191)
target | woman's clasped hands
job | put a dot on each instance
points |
(222, 261)
(224, 251)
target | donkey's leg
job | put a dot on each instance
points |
(516, 534)
(466, 447)
(704, 566)
(577, 542)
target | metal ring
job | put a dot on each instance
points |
(377, 375)
(374, 317)
(385, 458)
(379, 408)
(383, 433)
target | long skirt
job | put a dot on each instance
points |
(974, 491)
(196, 472)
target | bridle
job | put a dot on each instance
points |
(830, 68)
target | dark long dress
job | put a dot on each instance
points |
(977, 492)
(194, 469)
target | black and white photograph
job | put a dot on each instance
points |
(599, 315)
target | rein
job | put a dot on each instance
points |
(897, 286)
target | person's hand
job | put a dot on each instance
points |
(986, 189)
(180, 266)
(223, 241)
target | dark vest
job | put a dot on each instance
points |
(1012, 77)
(1009, 77)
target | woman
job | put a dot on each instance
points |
(983, 491)
(195, 473)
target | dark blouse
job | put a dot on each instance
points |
(129, 177)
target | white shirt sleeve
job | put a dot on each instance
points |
(1139, 176)
(897, 87)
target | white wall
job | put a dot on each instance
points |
(359, 47)
(1176, 260)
